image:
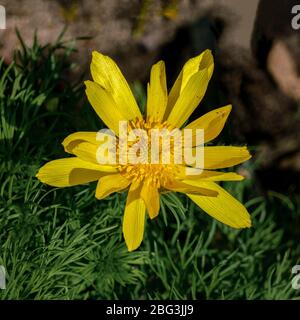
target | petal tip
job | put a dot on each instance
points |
(131, 247)
(96, 53)
(87, 83)
(208, 52)
(228, 108)
(213, 193)
(98, 197)
(249, 156)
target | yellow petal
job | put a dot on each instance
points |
(70, 172)
(218, 157)
(108, 75)
(134, 218)
(150, 196)
(109, 184)
(207, 175)
(179, 186)
(72, 140)
(191, 67)
(86, 151)
(157, 96)
(105, 107)
(85, 145)
(224, 207)
(220, 176)
(189, 99)
(89, 152)
(212, 123)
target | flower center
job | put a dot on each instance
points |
(148, 160)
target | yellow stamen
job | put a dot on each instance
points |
(155, 174)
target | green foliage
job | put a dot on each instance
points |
(64, 244)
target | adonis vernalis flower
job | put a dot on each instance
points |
(113, 101)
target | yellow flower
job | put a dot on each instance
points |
(113, 101)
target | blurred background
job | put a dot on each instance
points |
(64, 244)
(257, 54)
